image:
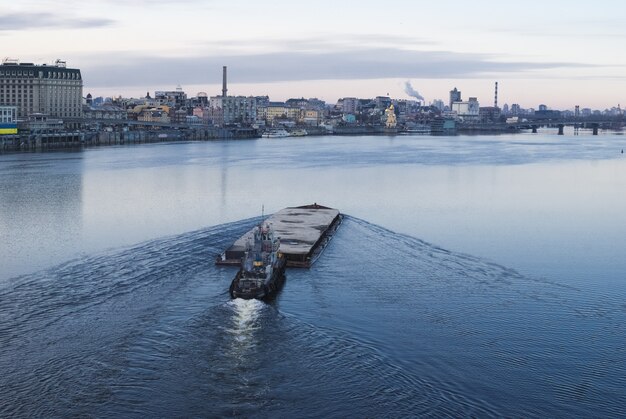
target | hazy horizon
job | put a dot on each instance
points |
(564, 56)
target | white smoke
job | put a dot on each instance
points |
(409, 90)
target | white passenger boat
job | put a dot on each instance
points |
(276, 133)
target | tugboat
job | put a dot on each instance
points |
(262, 271)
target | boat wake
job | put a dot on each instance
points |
(382, 325)
(245, 318)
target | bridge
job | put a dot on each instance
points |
(533, 123)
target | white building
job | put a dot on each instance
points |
(8, 114)
(469, 109)
(8, 120)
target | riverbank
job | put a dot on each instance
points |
(44, 141)
(72, 140)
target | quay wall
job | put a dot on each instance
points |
(41, 141)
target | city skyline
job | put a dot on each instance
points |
(564, 56)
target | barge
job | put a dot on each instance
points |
(304, 232)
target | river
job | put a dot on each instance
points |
(472, 276)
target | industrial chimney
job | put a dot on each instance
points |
(224, 89)
(495, 100)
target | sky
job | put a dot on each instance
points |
(557, 53)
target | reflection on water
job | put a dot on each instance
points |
(547, 205)
(40, 210)
(245, 324)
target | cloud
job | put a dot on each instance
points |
(319, 43)
(29, 20)
(364, 63)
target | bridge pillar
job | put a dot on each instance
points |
(595, 129)
(534, 129)
(561, 126)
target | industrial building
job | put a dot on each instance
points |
(469, 109)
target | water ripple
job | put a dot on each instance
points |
(382, 325)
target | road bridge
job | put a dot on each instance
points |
(560, 123)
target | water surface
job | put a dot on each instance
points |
(474, 276)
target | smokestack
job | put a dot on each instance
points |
(495, 101)
(224, 89)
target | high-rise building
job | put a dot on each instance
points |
(233, 109)
(455, 96)
(54, 90)
(350, 105)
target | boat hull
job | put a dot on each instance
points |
(267, 291)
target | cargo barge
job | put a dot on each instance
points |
(304, 232)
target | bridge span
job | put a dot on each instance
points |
(594, 124)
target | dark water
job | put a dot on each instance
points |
(111, 306)
(383, 325)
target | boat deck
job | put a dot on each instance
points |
(303, 232)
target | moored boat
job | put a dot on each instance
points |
(299, 133)
(276, 133)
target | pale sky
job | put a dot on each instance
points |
(559, 53)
